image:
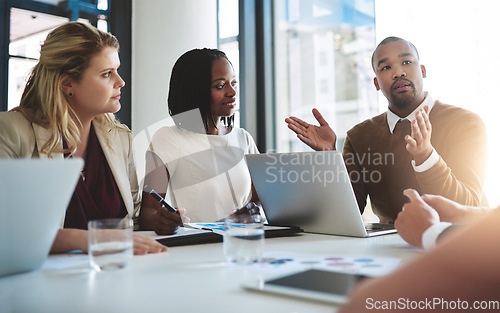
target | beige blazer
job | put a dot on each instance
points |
(19, 138)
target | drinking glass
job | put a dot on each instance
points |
(110, 243)
(243, 238)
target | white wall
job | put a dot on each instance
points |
(162, 30)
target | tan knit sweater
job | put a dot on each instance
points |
(380, 166)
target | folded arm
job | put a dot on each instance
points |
(68, 239)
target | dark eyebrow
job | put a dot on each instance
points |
(381, 61)
(217, 79)
(402, 55)
(222, 79)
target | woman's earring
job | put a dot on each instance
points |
(70, 94)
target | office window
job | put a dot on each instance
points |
(228, 29)
(28, 29)
(322, 51)
(28, 23)
(459, 59)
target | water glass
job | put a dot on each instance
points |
(243, 238)
(110, 243)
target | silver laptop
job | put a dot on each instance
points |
(311, 190)
(34, 195)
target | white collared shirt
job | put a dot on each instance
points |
(393, 119)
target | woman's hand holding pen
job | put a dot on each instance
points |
(158, 215)
(166, 222)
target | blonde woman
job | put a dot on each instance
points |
(66, 110)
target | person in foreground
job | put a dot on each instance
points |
(201, 158)
(442, 151)
(428, 218)
(461, 272)
(66, 111)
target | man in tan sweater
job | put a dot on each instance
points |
(395, 151)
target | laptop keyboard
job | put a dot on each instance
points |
(378, 226)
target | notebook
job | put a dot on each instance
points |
(200, 233)
(34, 194)
(310, 190)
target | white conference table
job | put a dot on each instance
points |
(184, 279)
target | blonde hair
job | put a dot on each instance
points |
(67, 50)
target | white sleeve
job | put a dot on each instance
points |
(430, 162)
(252, 147)
(431, 234)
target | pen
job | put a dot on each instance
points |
(162, 201)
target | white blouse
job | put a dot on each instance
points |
(208, 173)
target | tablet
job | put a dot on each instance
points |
(315, 284)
